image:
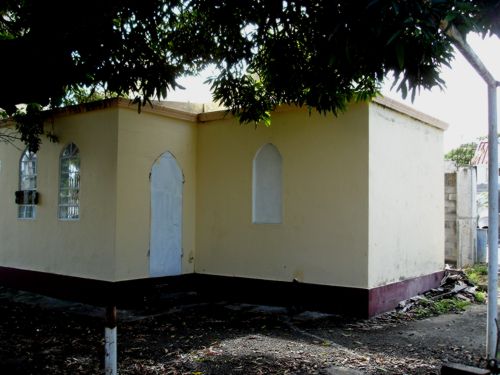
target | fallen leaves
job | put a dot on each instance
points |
(213, 339)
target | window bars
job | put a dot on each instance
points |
(69, 183)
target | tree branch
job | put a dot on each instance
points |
(10, 137)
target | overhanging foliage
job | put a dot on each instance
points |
(322, 54)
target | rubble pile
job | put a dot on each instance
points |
(455, 284)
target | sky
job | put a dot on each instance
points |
(462, 104)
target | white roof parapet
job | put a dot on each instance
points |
(409, 111)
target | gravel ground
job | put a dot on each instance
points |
(46, 336)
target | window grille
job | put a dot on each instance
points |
(69, 183)
(26, 208)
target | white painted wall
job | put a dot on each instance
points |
(406, 188)
(461, 215)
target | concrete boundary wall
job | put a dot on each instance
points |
(460, 215)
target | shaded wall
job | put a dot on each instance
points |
(323, 237)
(84, 247)
(142, 138)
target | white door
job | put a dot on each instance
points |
(165, 251)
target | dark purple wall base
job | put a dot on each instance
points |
(298, 296)
(358, 302)
(98, 292)
(387, 297)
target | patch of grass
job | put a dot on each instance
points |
(422, 313)
(450, 305)
(478, 273)
(427, 307)
(480, 297)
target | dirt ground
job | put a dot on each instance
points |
(46, 336)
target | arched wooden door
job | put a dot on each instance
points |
(165, 252)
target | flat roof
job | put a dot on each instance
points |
(409, 111)
(206, 112)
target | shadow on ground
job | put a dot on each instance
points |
(48, 336)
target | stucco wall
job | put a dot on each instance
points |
(406, 197)
(450, 217)
(142, 138)
(323, 237)
(460, 215)
(362, 197)
(78, 248)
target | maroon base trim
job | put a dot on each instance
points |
(343, 300)
(387, 297)
(294, 295)
(97, 292)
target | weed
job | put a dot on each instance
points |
(422, 312)
(450, 305)
(478, 273)
(480, 297)
(427, 307)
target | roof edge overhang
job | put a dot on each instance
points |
(203, 112)
(182, 111)
(410, 112)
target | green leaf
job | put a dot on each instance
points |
(267, 119)
(394, 36)
(400, 55)
(404, 89)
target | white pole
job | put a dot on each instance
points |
(461, 44)
(110, 342)
(491, 329)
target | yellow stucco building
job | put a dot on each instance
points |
(342, 213)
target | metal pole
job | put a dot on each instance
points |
(459, 41)
(492, 222)
(110, 343)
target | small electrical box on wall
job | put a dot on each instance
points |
(27, 197)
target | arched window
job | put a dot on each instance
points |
(69, 183)
(27, 185)
(267, 186)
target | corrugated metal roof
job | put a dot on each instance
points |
(481, 155)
